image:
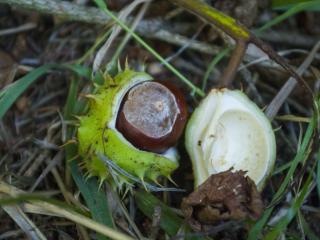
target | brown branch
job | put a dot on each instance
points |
(241, 34)
(233, 64)
(211, 15)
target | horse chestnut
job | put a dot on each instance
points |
(152, 115)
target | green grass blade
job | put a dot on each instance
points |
(169, 222)
(318, 174)
(9, 94)
(195, 89)
(212, 64)
(70, 103)
(95, 198)
(291, 11)
(300, 156)
(281, 168)
(79, 70)
(306, 228)
(101, 4)
(289, 3)
(292, 211)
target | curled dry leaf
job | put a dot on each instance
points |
(224, 196)
(8, 69)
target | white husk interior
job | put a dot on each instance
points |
(228, 130)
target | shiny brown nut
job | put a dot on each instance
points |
(152, 116)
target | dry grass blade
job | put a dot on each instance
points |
(23, 28)
(84, 221)
(123, 15)
(68, 214)
(50, 166)
(23, 221)
(288, 87)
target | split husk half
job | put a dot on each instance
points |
(227, 130)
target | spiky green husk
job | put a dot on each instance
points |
(97, 134)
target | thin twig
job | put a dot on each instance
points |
(51, 164)
(156, 217)
(233, 64)
(186, 46)
(278, 59)
(22, 28)
(288, 87)
(289, 38)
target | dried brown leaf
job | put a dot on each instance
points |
(224, 196)
(8, 68)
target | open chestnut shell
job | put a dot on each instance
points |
(152, 116)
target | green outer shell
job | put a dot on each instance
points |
(97, 134)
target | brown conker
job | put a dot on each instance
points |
(152, 115)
